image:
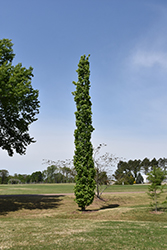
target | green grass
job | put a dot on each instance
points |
(127, 188)
(62, 188)
(36, 188)
(118, 221)
(53, 233)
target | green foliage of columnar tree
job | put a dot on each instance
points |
(18, 102)
(83, 158)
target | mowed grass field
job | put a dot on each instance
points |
(120, 220)
(63, 188)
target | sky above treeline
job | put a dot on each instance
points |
(127, 43)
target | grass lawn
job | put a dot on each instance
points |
(36, 188)
(118, 221)
(62, 188)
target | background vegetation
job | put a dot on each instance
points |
(63, 171)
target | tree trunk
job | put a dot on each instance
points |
(98, 195)
(155, 201)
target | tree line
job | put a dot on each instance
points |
(130, 172)
(127, 172)
(60, 172)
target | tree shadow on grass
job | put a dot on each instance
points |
(101, 208)
(11, 203)
(109, 206)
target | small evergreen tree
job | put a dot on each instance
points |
(156, 177)
(83, 158)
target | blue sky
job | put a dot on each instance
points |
(127, 41)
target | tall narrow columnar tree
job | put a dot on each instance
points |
(83, 158)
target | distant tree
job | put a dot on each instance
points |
(145, 165)
(19, 178)
(28, 178)
(66, 168)
(139, 179)
(23, 178)
(83, 158)
(156, 177)
(49, 174)
(153, 163)
(66, 174)
(123, 174)
(134, 166)
(59, 178)
(120, 172)
(37, 177)
(18, 102)
(4, 174)
(162, 163)
(60, 171)
(14, 181)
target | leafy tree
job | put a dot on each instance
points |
(18, 102)
(66, 169)
(4, 174)
(14, 181)
(66, 174)
(123, 174)
(23, 178)
(83, 158)
(119, 173)
(58, 178)
(145, 165)
(153, 163)
(49, 174)
(129, 179)
(134, 166)
(162, 163)
(37, 177)
(156, 177)
(28, 178)
(60, 171)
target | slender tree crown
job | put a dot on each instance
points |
(18, 102)
(83, 158)
(156, 177)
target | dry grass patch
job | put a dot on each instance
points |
(112, 207)
(121, 221)
(53, 233)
